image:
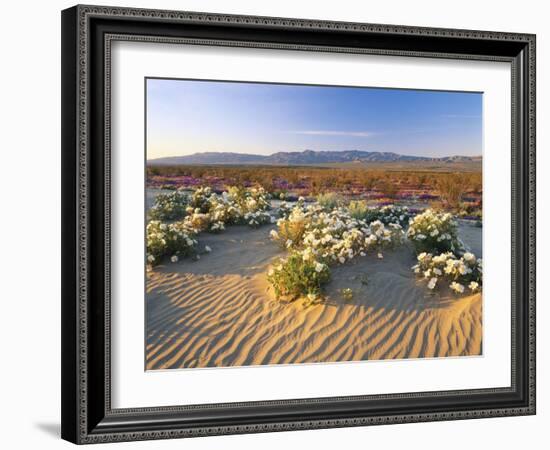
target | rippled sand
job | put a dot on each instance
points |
(219, 311)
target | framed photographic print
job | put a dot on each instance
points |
(281, 224)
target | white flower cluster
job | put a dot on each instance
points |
(334, 236)
(173, 239)
(251, 199)
(201, 199)
(255, 219)
(460, 273)
(203, 211)
(284, 210)
(317, 239)
(434, 232)
(211, 212)
(385, 214)
(394, 214)
(170, 206)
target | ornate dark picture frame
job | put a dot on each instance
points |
(87, 34)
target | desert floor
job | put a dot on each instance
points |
(220, 310)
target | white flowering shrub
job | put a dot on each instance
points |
(200, 199)
(170, 206)
(222, 209)
(249, 200)
(198, 221)
(210, 212)
(394, 214)
(292, 227)
(434, 232)
(284, 210)
(295, 277)
(214, 214)
(460, 274)
(358, 209)
(336, 235)
(327, 238)
(174, 240)
(383, 236)
(258, 218)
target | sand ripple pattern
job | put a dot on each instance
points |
(220, 312)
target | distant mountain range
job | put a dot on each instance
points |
(306, 157)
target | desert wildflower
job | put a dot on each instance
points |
(457, 287)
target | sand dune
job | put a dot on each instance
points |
(220, 311)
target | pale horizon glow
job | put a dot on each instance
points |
(334, 133)
(193, 116)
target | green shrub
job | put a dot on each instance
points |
(358, 209)
(295, 277)
(329, 201)
(347, 294)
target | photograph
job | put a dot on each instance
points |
(272, 222)
(292, 224)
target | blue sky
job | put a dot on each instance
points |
(185, 117)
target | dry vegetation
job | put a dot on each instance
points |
(448, 186)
